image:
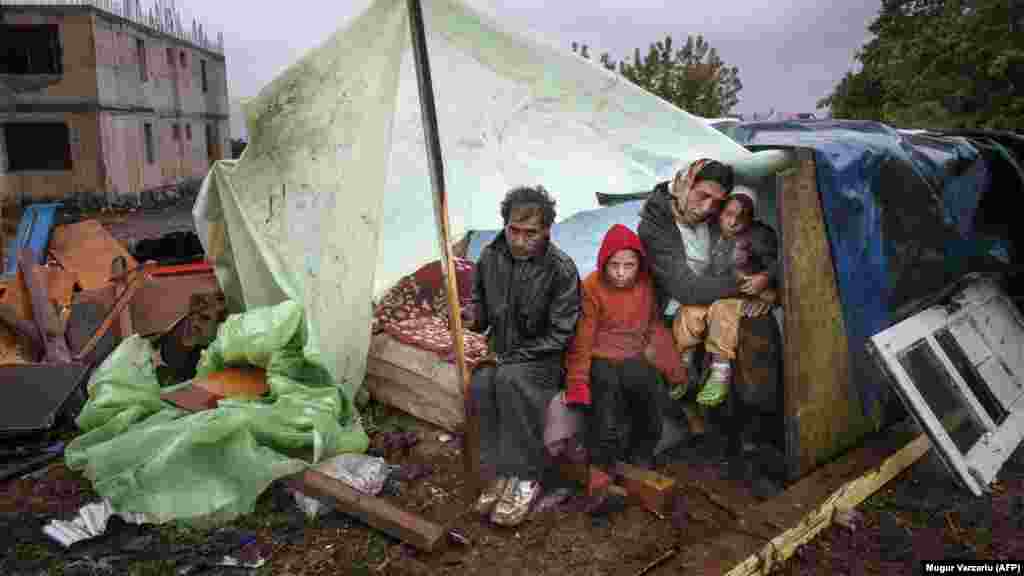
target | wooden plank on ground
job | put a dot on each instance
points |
(822, 407)
(797, 515)
(88, 249)
(377, 512)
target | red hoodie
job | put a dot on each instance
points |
(618, 323)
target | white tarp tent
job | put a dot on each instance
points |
(331, 202)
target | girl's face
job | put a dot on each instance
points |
(735, 218)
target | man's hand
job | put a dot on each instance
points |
(754, 284)
(755, 308)
(491, 359)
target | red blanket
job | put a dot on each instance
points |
(415, 312)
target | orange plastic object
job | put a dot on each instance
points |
(235, 383)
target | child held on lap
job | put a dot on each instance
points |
(748, 248)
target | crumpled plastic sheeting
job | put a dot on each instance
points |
(146, 456)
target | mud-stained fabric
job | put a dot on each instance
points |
(717, 326)
(625, 420)
(512, 400)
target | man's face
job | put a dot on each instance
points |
(703, 202)
(525, 232)
(621, 269)
(735, 218)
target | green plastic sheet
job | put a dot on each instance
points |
(147, 456)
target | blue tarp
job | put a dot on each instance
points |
(849, 157)
(33, 233)
(579, 236)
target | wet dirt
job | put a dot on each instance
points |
(921, 515)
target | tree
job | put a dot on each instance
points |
(939, 64)
(693, 77)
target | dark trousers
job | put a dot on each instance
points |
(625, 420)
(512, 401)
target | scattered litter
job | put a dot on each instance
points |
(553, 500)
(250, 556)
(456, 537)
(91, 522)
(366, 474)
(444, 438)
(389, 443)
(848, 518)
(413, 471)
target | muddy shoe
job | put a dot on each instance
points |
(485, 503)
(716, 387)
(515, 503)
(678, 391)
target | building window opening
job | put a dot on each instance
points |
(147, 131)
(176, 132)
(184, 61)
(37, 146)
(30, 49)
(211, 143)
(188, 132)
(202, 67)
(140, 49)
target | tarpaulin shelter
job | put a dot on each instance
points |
(331, 203)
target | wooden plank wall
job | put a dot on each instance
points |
(822, 408)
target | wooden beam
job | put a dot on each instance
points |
(822, 406)
(376, 512)
(797, 515)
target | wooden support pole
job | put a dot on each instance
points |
(470, 447)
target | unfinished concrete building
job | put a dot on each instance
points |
(103, 100)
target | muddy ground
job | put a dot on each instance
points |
(921, 515)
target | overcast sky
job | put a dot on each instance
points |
(789, 52)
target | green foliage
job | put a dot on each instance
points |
(939, 64)
(692, 77)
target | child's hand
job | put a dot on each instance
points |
(755, 308)
(754, 284)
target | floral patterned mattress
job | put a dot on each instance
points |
(415, 312)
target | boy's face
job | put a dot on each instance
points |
(735, 218)
(621, 269)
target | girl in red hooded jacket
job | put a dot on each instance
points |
(620, 346)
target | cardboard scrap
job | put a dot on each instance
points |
(88, 249)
